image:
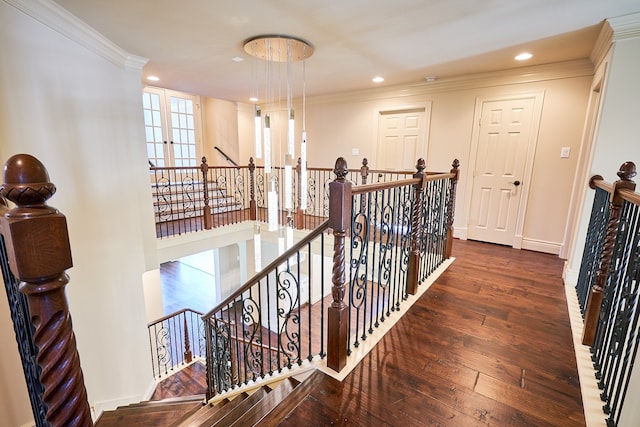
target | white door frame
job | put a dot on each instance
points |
(538, 98)
(424, 139)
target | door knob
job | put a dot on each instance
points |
(516, 183)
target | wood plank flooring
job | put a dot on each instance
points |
(488, 344)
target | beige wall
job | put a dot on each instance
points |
(220, 123)
(337, 124)
(81, 115)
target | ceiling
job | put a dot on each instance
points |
(190, 43)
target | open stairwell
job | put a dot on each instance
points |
(264, 406)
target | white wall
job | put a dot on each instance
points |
(81, 115)
(617, 140)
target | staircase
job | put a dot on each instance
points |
(264, 406)
(174, 201)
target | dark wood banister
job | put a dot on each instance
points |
(265, 271)
(169, 316)
(623, 189)
(366, 188)
(39, 252)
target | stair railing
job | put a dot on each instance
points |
(38, 250)
(281, 307)
(608, 286)
(175, 340)
(397, 233)
(380, 227)
(226, 157)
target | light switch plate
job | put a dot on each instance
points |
(355, 152)
(564, 152)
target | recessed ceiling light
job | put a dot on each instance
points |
(431, 78)
(237, 59)
(253, 99)
(523, 56)
(377, 79)
(153, 78)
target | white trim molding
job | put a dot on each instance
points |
(63, 22)
(541, 246)
(625, 27)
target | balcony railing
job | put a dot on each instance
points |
(608, 287)
(191, 199)
(387, 238)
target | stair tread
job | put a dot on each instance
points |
(244, 406)
(293, 399)
(206, 415)
(267, 403)
(146, 415)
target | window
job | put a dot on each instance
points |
(171, 121)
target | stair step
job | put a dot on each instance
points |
(144, 414)
(243, 407)
(293, 399)
(208, 414)
(266, 404)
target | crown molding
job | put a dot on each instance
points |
(625, 27)
(602, 45)
(536, 73)
(62, 21)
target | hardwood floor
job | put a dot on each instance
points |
(488, 344)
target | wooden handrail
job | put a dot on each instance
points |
(626, 172)
(169, 316)
(367, 188)
(39, 252)
(630, 196)
(265, 271)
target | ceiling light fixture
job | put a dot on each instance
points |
(253, 99)
(153, 78)
(279, 52)
(377, 79)
(523, 56)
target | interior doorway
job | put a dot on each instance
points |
(402, 137)
(502, 156)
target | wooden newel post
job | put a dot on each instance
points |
(416, 229)
(252, 190)
(339, 222)
(364, 170)
(188, 356)
(592, 313)
(302, 186)
(452, 207)
(39, 253)
(206, 209)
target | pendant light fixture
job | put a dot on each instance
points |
(276, 51)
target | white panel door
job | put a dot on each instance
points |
(505, 132)
(400, 139)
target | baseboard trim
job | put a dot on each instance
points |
(541, 246)
(591, 402)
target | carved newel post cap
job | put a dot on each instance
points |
(627, 171)
(421, 165)
(455, 164)
(340, 169)
(26, 182)
(365, 162)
